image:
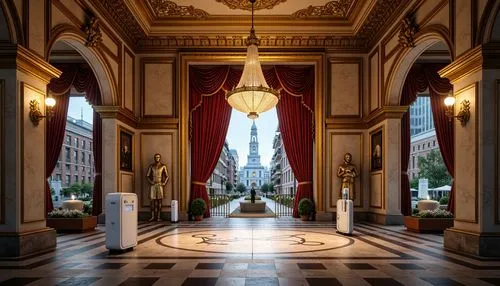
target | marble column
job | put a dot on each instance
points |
(475, 76)
(23, 77)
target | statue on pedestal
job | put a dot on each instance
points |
(157, 176)
(347, 172)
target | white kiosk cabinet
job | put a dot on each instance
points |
(121, 221)
(174, 211)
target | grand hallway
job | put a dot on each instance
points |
(254, 252)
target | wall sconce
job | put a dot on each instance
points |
(36, 115)
(464, 113)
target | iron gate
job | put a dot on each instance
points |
(283, 204)
(219, 204)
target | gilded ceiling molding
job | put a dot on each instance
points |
(291, 41)
(92, 31)
(381, 16)
(333, 8)
(165, 8)
(245, 4)
(407, 32)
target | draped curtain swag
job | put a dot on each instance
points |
(210, 115)
(420, 78)
(82, 79)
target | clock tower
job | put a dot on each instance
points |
(253, 154)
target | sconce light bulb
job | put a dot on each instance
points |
(50, 102)
(449, 101)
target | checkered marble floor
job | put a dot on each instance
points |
(254, 252)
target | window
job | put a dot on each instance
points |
(68, 139)
(434, 143)
(68, 155)
(83, 144)
(67, 167)
(58, 177)
(418, 147)
(76, 168)
(413, 148)
(428, 144)
(247, 183)
(76, 143)
(83, 169)
(83, 179)
(90, 159)
(68, 179)
(75, 153)
(58, 165)
(88, 179)
(83, 157)
(413, 161)
(76, 179)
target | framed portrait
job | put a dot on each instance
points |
(377, 155)
(125, 151)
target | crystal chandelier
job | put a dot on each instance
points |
(252, 95)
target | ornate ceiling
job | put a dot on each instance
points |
(163, 24)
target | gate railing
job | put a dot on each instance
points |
(219, 204)
(283, 204)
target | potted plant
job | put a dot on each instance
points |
(198, 207)
(65, 220)
(429, 221)
(305, 208)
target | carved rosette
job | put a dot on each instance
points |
(245, 4)
(93, 32)
(407, 32)
(165, 8)
(333, 8)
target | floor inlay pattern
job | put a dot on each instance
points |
(254, 252)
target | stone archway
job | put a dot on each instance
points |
(407, 57)
(75, 38)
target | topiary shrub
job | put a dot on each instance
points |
(414, 211)
(64, 213)
(306, 206)
(198, 207)
(434, 214)
(443, 200)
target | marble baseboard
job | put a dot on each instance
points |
(386, 219)
(19, 245)
(486, 245)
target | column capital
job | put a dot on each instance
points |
(18, 57)
(486, 56)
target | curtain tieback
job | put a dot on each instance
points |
(404, 173)
(199, 183)
(305, 183)
(97, 174)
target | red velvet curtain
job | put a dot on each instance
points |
(81, 77)
(420, 78)
(445, 130)
(209, 120)
(296, 121)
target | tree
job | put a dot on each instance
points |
(240, 188)
(264, 188)
(414, 183)
(271, 188)
(87, 189)
(432, 168)
(75, 189)
(229, 187)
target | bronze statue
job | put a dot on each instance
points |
(348, 173)
(158, 177)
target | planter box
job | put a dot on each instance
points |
(72, 224)
(421, 225)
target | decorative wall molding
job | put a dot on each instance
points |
(92, 31)
(337, 8)
(245, 4)
(407, 31)
(165, 8)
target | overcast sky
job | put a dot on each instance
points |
(238, 135)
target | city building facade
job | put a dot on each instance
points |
(216, 184)
(236, 159)
(421, 145)
(76, 159)
(282, 175)
(253, 173)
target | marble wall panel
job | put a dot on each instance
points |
(463, 27)
(33, 158)
(466, 163)
(442, 17)
(339, 144)
(128, 92)
(165, 143)
(376, 189)
(36, 34)
(345, 87)
(110, 44)
(58, 17)
(127, 182)
(374, 79)
(158, 89)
